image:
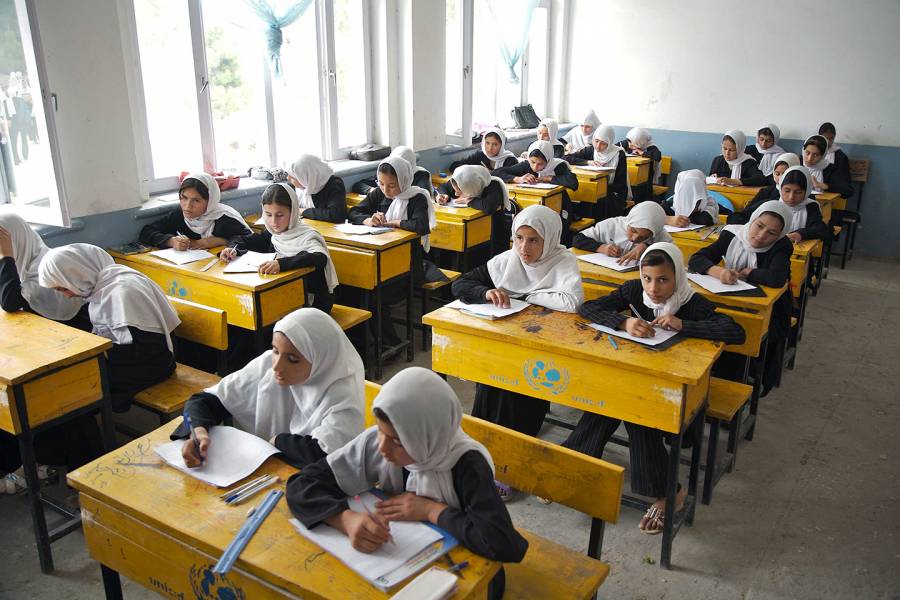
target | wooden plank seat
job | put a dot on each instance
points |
(726, 402)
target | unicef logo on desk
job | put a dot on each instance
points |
(210, 586)
(542, 375)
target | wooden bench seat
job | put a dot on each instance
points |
(551, 570)
(726, 400)
(581, 224)
(348, 317)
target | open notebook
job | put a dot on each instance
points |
(182, 257)
(610, 262)
(249, 262)
(488, 310)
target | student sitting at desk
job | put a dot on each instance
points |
(766, 149)
(548, 131)
(306, 394)
(581, 137)
(760, 253)
(201, 221)
(663, 296)
(474, 185)
(493, 153)
(417, 453)
(321, 193)
(840, 177)
(603, 152)
(626, 237)
(691, 202)
(421, 177)
(296, 245)
(639, 142)
(126, 307)
(826, 176)
(784, 161)
(734, 166)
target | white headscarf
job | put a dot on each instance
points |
(817, 171)
(205, 223)
(740, 142)
(299, 237)
(798, 221)
(555, 271)
(788, 158)
(472, 179)
(769, 155)
(503, 154)
(119, 297)
(328, 406)
(576, 138)
(691, 195)
(741, 254)
(426, 414)
(546, 150)
(639, 138)
(312, 173)
(609, 157)
(409, 155)
(397, 209)
(683, 290)
(28, 250)
(644, 215)
(552, 129)
(830, 149)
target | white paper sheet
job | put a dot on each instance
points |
(691, 227)
(712, 179)
(538, 186)
(595, 168)
(717, 287)
(233, 454)
(609, 262)
(816, 192)
(351, 229)
(249, 262)
(457, 204)
(488, 310)
(410, 538)
(182, 257)
(661, 336)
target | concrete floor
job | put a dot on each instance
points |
(811, 511)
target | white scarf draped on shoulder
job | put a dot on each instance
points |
(312, 173)
(683, 290)
(501, 156)
(798, 211)
(205, 223)
(399, 203)
(769, 155)
(741, 254)
(740, 143)
(473, 179)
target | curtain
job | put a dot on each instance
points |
(512, 30)
(274, 24)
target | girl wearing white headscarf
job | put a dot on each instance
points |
(321, 193)
(783, 162)
(664, 298)
(604, 152)
(734, 166)
(492, 155)
(307, 413)
(838, 178)
(806, 224)
(766, 149)
(126, 307)
(538, 270)
(296, 245)
(827, 177)
(474, 185)
(418, 455)
(421, 175)
(201, 220)
(21, 251)
(580, 136)
(626, 237)
(691, 202)
(639, 142)
(548, 131)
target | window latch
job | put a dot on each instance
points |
(205, 84)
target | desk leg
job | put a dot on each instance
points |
(665, 558)
(109, 428)
(409, 318)
(757, 388)
(379, 358)
(112, 585)
(29, 465)
(694, 473)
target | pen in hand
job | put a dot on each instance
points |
(390, 537)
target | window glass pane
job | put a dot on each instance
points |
(296, 94)
(349, 55)
(167, 70)
(235, 59)
(493, 95)
(454, 65)
(537, 61)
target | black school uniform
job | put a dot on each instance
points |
(815, 229)
(11, 299)
(421, 178)
(616, 192)
(206, 410)
(655, 155)
(158, 233)
(489, 202)
(837, 175)
(317, 294)
(648, 455)
(478, 157)
(482, 525)
(133, 367)
(329, 203)
(509, 409)
(750, 173)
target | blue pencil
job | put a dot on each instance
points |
(612, 341)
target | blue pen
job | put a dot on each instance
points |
(612, 341)
(187, 419)
(458, 567)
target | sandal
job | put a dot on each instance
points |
(543, 500)
(654, 515)
(12, 484)
(507, 492)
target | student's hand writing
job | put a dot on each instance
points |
(668, 322)
(189, 449)
(367, 532)
(609, 250)
(442, 198)
(376, 220)
(639, 327)
(228, 254)
(678, 221)
(595, 163)
(634, 254)
(409, 507)
(6, 248)
(180, 242)
(498, 297)
(795, 237)
(727, 275)
(270, 267)
(526, 178)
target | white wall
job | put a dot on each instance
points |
(700, 65)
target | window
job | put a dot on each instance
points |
(30, 176)
(211, 97)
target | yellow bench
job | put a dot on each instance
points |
(726, 402)
(350, 319)
(427, 289)
(581, 224)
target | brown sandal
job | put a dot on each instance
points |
(654, 515)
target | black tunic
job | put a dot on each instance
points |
(698, 217)
(652, 152)
(478, 157)
(421, 178)
(816, 228)
(158, 233)
(206, 410)
(562, 175)
(133, 367)
(315, 285)
(837, 175)
(489, 202)
(329, 203)
(11, 299)
(750, 173)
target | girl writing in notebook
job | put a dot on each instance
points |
(603, 152)
(124, 306)
(664, 298)
(473, 186)
(691, 203)
(296, 245)
(201, 221)
(306, 395)
(419, 455)
(321, 193)
(734, 166)
(766, 149)
(493, 153)
(581, 136)
(626, 237)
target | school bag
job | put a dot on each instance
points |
(525, 117)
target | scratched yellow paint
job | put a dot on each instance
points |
(591, 186)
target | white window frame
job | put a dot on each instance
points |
(324, 17)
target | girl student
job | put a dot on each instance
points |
(296, 245)
(663, 297)
(420, 457)
(691, 202)
(548, 131)
(760, 253)
(539, 270)
(306, 394)
(835, 155)
(321, 193)
(124, 306)
(201, 221)
(493, 153)
(826, 176)
(602, 152)
(626, 237)
(766, 149)
(771, 192)
(582, 136)
(474, 186)
(421, 177)
(734, 166)
(639, 142)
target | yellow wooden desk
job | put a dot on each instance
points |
(638, 170)
(524, 196)
(49, 373)
(740, 195)
(592, 185)
(166, 530)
